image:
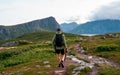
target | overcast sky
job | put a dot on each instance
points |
(19, 11)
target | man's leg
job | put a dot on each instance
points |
(58, 58)
(63, 57)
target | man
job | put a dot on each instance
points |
(60, 47)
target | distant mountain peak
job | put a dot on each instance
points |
(45, 24)
(98, 27)
(66, 27)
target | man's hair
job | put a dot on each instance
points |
(58, 29)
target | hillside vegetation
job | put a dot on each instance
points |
(31, 58)
(36, 57)
(107, 46)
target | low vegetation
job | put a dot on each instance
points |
(109, 47)
(108, 70)
(29, 58)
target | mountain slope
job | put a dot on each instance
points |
(46, 24)
(66, 27)
(98, 27)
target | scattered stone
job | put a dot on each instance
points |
(3, 73)
(12, 43)
(10, 73)
(71, 56)
(19, 73)
(91, 65)
(58, 71)
(76, 60)
(90, 57)
(39, 73)
(1, 48)
(48, 66)
(37, 66)
(82, 51)
(79, 68)
(46, 62)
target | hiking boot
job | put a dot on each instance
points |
(58, 65)
(61, 64)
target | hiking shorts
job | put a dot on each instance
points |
(60, 51)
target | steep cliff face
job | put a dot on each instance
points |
(46, 24)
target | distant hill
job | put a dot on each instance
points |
(36, 37)
(66, 27)
(46, 24)
(98, 27)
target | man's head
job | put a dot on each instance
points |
(58, 29)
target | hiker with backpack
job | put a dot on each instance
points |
(59, 44)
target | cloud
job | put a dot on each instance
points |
(73, 19)
(111, 11)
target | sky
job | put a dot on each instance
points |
(20, 11)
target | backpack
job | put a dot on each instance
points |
(59, 42)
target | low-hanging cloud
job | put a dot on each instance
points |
(111, 11)
(73, 19)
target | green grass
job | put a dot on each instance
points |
(108, 70)
(31, 54)
(108, 47)
(85, 71)
(72, 52)
(70, 69)
(24, 58)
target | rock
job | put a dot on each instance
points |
(48, 66)
(1, 48)
(12, 43)
(82, 51)
(70, 57)
(83, 63)
(76, 60)
(58, 71)
(10, 73)
(37, 66)
(46, 62)
(79, 68)
(90, 57)
(91, 65)
(39, 73)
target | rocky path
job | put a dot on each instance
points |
(93, 59)
(85, 61)
(63, 71)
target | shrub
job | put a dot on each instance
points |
(104, 48)
(85, 71)
(109, 70)
(72, 52)
(70, 69)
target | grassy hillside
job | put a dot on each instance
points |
(38, 58)
(30, 58)
(104, 46)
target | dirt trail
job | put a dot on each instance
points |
(63, 71)
(91, 59)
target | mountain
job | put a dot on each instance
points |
(98, 27)
(66, 27)
(46, 24)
